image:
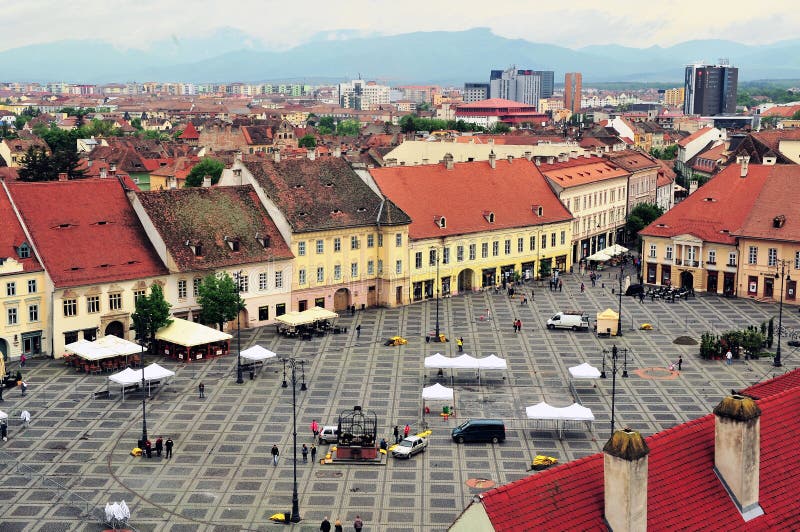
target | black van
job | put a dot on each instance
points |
(480, 430)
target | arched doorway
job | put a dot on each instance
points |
(116, 328)
(687, 280)
(341, 299)
(465, 280)
(3, 350)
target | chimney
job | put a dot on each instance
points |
(550, 160)
(172, 182)
(744, 163)
(311, 153)
(103, 173)
(424, 160)
(510, 159)
(492, 159)
(573, 154)
(391, 161)
(206, 181)
(625, 479)
(337, 152)
(737, 451)
(237, 156)
(62, 176)
(112, 169)
(276, 157)
(448, 161)
(528, 155)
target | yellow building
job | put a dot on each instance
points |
(674, 97)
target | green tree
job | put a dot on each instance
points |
(152, 313)
(219, 299)
(326, 125)
(640, 217)
(208, 166)
(408, 124)
(37, 166)
(136, 123)
(155, 135)
(348, 128)
(307, 141)
(796, 115)
(500, 127)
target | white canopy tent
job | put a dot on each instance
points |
(438, 393)
(257, 353)
(129, 377)
(584, 371)
(108, 346)
(600, 256)
(559, 417)
(465, 361)
(438, 361)
(614, 250)
(293, 319)
(189, 334)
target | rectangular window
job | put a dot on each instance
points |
(398, 267)
(495, 248)
(445, 255)
(320, 274)
(32, 286)
(544, 241)
(520, 245)
(11, 313)
(182, 289)
(418, 260)
(196, 286)
(263, 313)
(652, 251)
(337, 244)
(320, 247)
(354, 244)
(244, 282)
(563, 237)
(280, 308)
(278, 284)
(507, 247)
(11, 289)
(772, 256)
(398, 240)
(532, 243)
(370, 267)
(262, 281)
(691, 252)
(484, 250)
(472, 252)
(301, 276)
(797, 260)
(552, 240)
(93, 304)
(432, 257)
(712, 257)
(337, 272)
(732, 258)
(354, 270)
(370, 241)
(380, 240)
(301, 248)
(114, 301)
(70, 307)
(752, 256)
(459, 253)
(380, 266)
(33, 313)
(668, 254)
(137, 295)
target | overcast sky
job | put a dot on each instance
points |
(282, 24)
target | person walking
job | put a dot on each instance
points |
(729, 357)
(325, 526)
(519, 325)
(680, 362)
(148, 448)
(159, 446)
(24, 388)
(168, 447)
(384, 445)
(337, 526)
(202, 389)
(460, 344)
(275, 454)
(514, 324)
(22, 360)
(304, 450)
(358, 331)
(313, 453)
(315, 428)
(3, 430)
(25, 416)
(406, 430)
(358, 524)
(396, 434)
(583, 288)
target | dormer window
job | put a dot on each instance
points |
(441, 221)
(24, 251)
(196, 247)
(778, 221)
(263, 240)
(538, 210)
(233, 243)
(489, 215)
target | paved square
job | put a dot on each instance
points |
(75, 455)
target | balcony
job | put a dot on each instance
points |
(732, 264)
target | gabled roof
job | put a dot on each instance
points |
(696, 135)
(717, 209)
(779, 196)
(683, 491)
(580, 171)
(12, 236)
(257, 135)
(85, 231)
(322, 194)
(209, 216)
(189, 133)
(493, 102)
(632, 160)
(464, 196)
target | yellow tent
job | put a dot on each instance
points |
(607, 321)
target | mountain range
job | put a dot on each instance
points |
(440, 57)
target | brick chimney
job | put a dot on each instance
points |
(337, 152)
(62, 176)
(206, 181)
(737, 451)
(528, 155)
(492, 159)
(625, 479)
(448, 161)
(103, 173)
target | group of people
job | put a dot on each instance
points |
(517, 325)
(160, 446)
(358, 524)
(396, 432)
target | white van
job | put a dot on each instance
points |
(569, 320)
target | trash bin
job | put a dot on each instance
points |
(287, 518)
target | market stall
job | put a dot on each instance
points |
(441, 394)
(314, 321)
(256, 355)
(607, 322)
(582, 372)
(559, 418)
(465, 361)
(108, 353)
(152, 375)
(187, 341)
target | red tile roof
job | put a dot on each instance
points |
(696, 135)
(781, 383)
(632, 160)
(783, 111)
(189, 133)
(462, 195)
(683, 492)
(86, 232)
(715, 210)
(580, 171)
(12, 236)
(779, 196)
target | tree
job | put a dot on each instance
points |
(37, 166)
(641, 216)
(326, 125)
(152, 313)
(208, 166)
(219, 299)
(796, 115)
(348, 128)
(307, 141)
(500, 127)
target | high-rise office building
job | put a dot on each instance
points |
(525, 86)
(572, 91)
(475, 92)
(710, 89)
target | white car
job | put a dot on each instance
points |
(327, 434)
(409, 447)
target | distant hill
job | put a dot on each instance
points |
(422, 57)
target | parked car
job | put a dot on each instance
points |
(410, 446)
(480, 430)
(569, 320)
(328, 434)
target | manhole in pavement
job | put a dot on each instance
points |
(328, 474)
(480, 483)
(657, 374)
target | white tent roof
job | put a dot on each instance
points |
(600, 256)
(465, 361)
(119, 345)
(3, 415)
(438, 361)
(492, 362)
(584, 371)
(437, 392)
(189, 334)
(106, 347)
(322, 314)
(257, 353)
(614, 249)
(574, 412)
(130, 376)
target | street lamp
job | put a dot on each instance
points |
(239, 380)
(614, 369)
(436, 258)
(293, 363)
(777, 361)
(143, 339)
(619, 314)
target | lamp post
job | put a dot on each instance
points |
(239, 380)
(619, 314)
(143, 339)
(436, 258)
(293, 364)
(777, 361)
(614, 369)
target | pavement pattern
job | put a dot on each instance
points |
(75, 456)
